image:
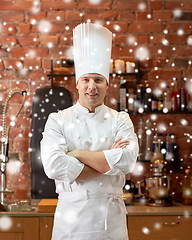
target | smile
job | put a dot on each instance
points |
(91, 95)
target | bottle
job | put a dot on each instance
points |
(175, 97)
(183, 96)
(169, 146)
(158, 142)
(148, 141)
(154, 102)
(147, 98)
(160, 103)
(130, 100)
(189, 98)
(136, 104)
(187, 188)
(140, 138)
(122, 95)
(140, 96)
(166, 100)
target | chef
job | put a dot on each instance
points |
(89, 148)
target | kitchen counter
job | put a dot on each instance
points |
(136, 209)
(176, 209)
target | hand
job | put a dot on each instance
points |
(73, 153)
(120, 143)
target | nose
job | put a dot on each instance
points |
(91, 85)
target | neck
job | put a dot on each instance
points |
(90, 108)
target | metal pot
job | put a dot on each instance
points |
(156, 187)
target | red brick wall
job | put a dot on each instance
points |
(23, 46)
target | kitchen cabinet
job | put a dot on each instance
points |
(21, 228)
(27, 228)
(45, 228)
(160, 227)
(143, 222)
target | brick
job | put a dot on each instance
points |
(28, 40)
(93, 16)
(162, 16)
(56, 16)
(166, 51)
(10, 16)
(165, 74)
(117, 27)
(7, 40)
(47, 39)
(20, 144)
(189, 73)
(185, 16)
(173, 27)
(119, 52)
(6, 75)
(176, 39)
(46, 63)
(12, 63)
(162, 62)
(73, 16)
(19, 84)
(182, 5)
(24, 28)
(156, 5)
(32, 63)
(4, 85)
(21, 193)
(7, 28)
(30, 17)
(66, 40)
(184, 51)
(55, 28)
(36, 75)
(109, 15)
(16, 5)
(14, 132)
(145, 27)
(128, 16)
(86, 4)
(123, 40)
(32, 52)
(3, 53)
(59, 5)
(125, 5)
(183, 63)
(66, 51)
(157, 38)
(144, 16)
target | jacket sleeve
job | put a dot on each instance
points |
(57, 164)
(122, 161)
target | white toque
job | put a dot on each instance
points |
(92, 49)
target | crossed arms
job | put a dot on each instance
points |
(98, 163)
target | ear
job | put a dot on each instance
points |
(77, 85)
(107, 84)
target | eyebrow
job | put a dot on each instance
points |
(93, 76)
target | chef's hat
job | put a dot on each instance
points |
(92, 49)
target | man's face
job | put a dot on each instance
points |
(92, 89)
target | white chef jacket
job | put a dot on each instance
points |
(90, 209)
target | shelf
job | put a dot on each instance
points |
(138, 74)
(157, 112)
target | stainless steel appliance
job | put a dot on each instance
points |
(157, 187)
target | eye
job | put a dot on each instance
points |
(85, 79)
(98, 80)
